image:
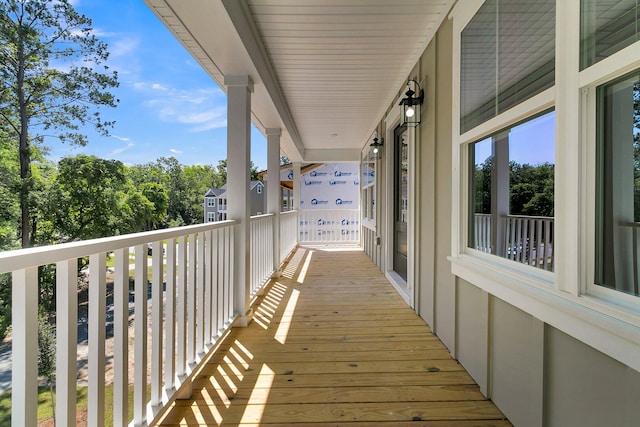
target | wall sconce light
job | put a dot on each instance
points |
(376, 145)
(412, 105)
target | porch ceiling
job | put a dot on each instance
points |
(324, 70)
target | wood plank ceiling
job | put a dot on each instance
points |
(330, 68)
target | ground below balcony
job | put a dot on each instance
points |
(333, 344)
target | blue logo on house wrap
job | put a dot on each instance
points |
(335, 182)
(290, 174)
(314, 173)
(319, 202)
(343, 202)
(339, 173)
(312, 182)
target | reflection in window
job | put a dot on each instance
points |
(507, 56)
(606, 27)
(618, 185)
(511, 193)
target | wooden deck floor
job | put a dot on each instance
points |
(333, 344)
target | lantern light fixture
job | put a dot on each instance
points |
(376, 145)
(412, 105)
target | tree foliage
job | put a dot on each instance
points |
(52, 76)
(531, 188)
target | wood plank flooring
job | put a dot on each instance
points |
(333, 344)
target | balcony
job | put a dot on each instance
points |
(332, 342)
(330, 335)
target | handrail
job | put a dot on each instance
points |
(288, 232)
(188, 298)
(526, 239)
(20, 258)
(188, 301)
(330, 226)
(261, 267)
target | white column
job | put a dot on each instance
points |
(567, 233)
(296, 186)
(239, 90)
(500, 192)
(273, 191)
(295, 203)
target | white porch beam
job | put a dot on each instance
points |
(332, 155)
(239, 89)
(295, 205)
(274, 200)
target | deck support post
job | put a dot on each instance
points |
(273, 191)
(239, 89)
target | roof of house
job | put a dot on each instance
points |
(222, 192)
(214, 192)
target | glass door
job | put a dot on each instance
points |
(401, 191)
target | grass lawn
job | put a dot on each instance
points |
(44, 404)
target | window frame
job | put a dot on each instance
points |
(604, 319)
(368, 189)
(487, 265)
(211, 202)
(619, 64)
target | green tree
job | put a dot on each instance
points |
(157, 194)
(52, 78)
(88, 197)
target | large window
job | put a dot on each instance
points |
(511, 192)
(618, 185)
(211, 202)
(507, 56)
(606, 27)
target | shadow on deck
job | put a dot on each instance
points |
(332, 343)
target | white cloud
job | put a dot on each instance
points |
(200, 109)
(122, 149)
(123, 46)
(174, 151)
(120, 138)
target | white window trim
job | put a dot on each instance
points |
(599, 317)
(613, 302)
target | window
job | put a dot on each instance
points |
(211, 202)
(507, 56)
(511, 192)
(606, 27)
(211, 216)
(618, 185)
(368, 186)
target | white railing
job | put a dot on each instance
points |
(330, 226)
(482, 232)
(196, 272)
(261, 251)
(527, 239)
(288, 233)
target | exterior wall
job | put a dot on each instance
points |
(258, 200)
(585, 388)
(535, 373)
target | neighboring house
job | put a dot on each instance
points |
(211, 204)
(215, 202)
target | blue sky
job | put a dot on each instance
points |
(168, 105)
(532, 142)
